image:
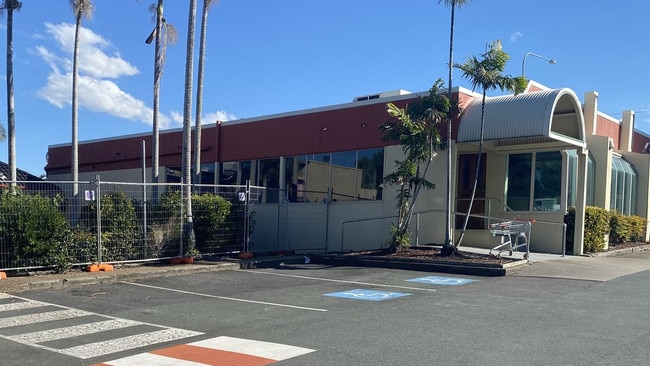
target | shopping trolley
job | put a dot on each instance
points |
(514, 235)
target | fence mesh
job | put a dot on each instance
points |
(56, 224)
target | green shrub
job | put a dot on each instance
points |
(624, 229)
(120, 232)
(638, 227)
(596, 228)
(34, 229)
(210, 213)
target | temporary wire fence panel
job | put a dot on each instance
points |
(45, 224)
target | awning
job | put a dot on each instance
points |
(542, 116)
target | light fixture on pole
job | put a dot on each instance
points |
(523, 63)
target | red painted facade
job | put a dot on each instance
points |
(341, 128)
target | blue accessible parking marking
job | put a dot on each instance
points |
(370, 295)
(440, 280)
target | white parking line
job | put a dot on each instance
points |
(342, 281)
(226, 298)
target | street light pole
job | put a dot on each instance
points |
(523, 63)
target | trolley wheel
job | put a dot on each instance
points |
(525, 256)
(511, 252)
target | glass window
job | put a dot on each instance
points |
(572, 163)
(345, 180)
(518, 184)
(268, 175)
(545, 185)
(371, 164)
(295, 176)
(623, 186)
(548, 181)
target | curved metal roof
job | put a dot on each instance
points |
(550, 115)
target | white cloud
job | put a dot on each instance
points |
(93, 60)
(206, 118)
(515, 36)
(222, 116)
(96, 89)
(103, 96)
(177, 117)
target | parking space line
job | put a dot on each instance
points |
(226, 298)
(342, 281)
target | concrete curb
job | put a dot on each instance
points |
(147, 272)
(623, 251)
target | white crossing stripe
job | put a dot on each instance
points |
(21, 306)
(149, 359)
(215, 351)
(19, 320)
(73, 331)
(39, 338)
(274, 351)
(126, 343)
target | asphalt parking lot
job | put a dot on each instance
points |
(308, 314)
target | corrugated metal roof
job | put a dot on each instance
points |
(554, 114)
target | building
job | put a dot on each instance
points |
(544, 152)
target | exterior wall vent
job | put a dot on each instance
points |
(381, 95)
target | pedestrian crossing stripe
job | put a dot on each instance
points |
(51, 312)
(219, 351)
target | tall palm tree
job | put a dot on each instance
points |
(448, 246)
(199, 92)
(163, 34)
(82, 9)
(487, 73)
(10, 6)
(187, 128)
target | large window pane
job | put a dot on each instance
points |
(295, 175)
(623, 186)
(317, 177)
(371, 163)
(345, 177)
(518, 185)
(548, 181)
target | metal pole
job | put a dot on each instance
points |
(98, 199)
(246, 217)
(144, 192)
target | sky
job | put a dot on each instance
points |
(266, 57)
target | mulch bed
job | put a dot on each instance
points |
(433, 253)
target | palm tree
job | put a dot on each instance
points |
(487, 73)
(187, 129)
(10, 6)
(82, 9)
(448, 246)
(163, 34)
(416, 129)
(199, 93)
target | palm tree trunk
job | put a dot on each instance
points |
(11, 119)
(187, 128)
(199, 94)
(75, 116)
(155, 145)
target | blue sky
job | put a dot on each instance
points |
(266, 57)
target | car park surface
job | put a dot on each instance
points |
(476, 321)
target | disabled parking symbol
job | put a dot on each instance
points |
(368, 295)
(441, 280)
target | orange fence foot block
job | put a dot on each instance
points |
(99, 267)
(106, 267)
(3, 275)
(92, 268)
